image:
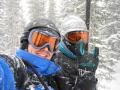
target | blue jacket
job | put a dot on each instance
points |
(10, 80)
(7, 81)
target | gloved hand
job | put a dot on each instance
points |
(89, 61)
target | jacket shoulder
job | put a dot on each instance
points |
(13, 61)
(18, 68)
(6, 76)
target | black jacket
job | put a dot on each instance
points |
(72, 76)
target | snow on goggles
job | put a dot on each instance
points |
(39, 40)
(76, 36)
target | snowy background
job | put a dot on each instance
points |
(104, 29)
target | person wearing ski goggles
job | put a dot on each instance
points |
(78, 64)
(41, 39)
(32, 66)
(43, 43)
(76, 36)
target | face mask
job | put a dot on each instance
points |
(77, 48)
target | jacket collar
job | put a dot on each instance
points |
(42, 65)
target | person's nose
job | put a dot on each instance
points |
(45, 49)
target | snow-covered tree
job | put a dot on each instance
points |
(104, 27)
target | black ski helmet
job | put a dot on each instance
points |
(39, 23)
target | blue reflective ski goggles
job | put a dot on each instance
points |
(42, 38)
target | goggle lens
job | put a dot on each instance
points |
(76, 36)
(38, 40)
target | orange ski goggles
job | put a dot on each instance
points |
(76, 36)
(39, 40)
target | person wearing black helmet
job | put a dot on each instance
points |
(33, 61)
(78, 65)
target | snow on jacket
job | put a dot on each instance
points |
(15, 74)
(72, 76)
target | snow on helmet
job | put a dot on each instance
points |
(39, 23)
(73, 23)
